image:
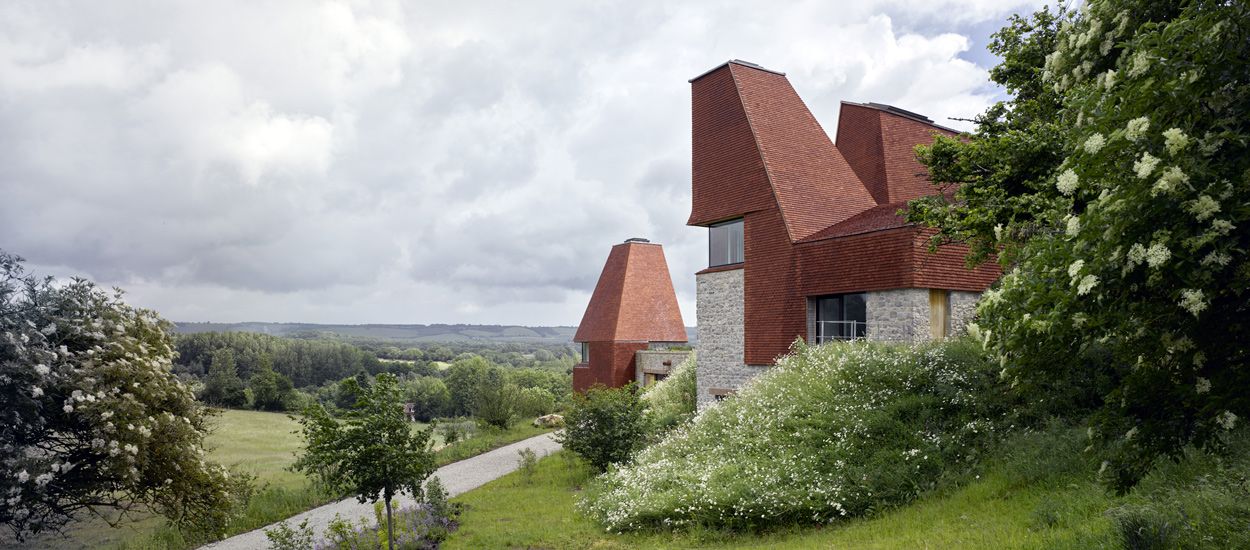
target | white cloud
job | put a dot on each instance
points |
(394, 162)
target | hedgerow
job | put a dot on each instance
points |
(831, 431)
(671, 401)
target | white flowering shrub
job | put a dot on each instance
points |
(92, 415)
(831, 431)
(1131, 232)
(672, 401)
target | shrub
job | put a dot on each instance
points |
(535, 402)
(605, 425)
(672, 401)
(830, 431)
(527, 463)
(496, 399)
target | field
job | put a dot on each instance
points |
(992, 512)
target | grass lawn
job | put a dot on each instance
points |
(991, 512)
(263, 444)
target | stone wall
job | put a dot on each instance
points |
(654, 361)
(719, 364)
(900, 315)
(963, 309)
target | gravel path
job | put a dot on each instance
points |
(457, 478)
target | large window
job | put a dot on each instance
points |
(725, 243)
(841, 317)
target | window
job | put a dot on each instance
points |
(841, 317)
(585, 352)
(725, 243)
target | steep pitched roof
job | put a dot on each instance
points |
(877, 218)
(879, 143)
(634, 299)
(812, 184)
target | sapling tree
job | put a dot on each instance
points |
(92, 418)
(373, 453)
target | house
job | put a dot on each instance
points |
(804, 239)
(632, 322)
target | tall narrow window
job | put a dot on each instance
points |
(585, 352)
(725, 243)
(841, 317)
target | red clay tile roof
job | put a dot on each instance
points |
(876, 218)
(633, 300)
(879, 142)
(810, 181)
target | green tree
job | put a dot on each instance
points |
(605, 425)
(495, 399)
(535, 402)
(429, 397)
(463, 379)
(223, 387)
(373, 453)
(1119, 193)
(270, 390)
(93, 416)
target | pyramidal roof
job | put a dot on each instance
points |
(634, 299)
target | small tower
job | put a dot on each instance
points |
(632, 309)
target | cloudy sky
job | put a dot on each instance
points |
(409, 162)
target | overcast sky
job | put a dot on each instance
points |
(409, 162)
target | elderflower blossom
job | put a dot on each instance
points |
(1136, 128)
(1204, 207)
(1172, 178)
(1067, 182)
(42, 369)
(1193, 301)
(43, 479)
(1145, 165)
(1157, 255)
(1087, 283)
(23, 477)
(1175, 140)
(1203, 385)
(1095, 143)
(1218, 258)
(36, 391)
(1136, 254)
(68, 408)
(1109, 78)
(1075, 268)
(1074, 226)
(1228, 420)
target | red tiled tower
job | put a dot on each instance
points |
(632, 308)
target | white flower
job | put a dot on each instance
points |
(1074, 226)
(1172, 178)
(131, 449)
(1203, 207)
(1075, 268)
(1088, 282)
(1136, 128)
(106, 415)
(1145, 165)
(1095, 143)
(1109, 77)
(68, 408)
(43, 479)
(1228, 420)
(22, 476)
(36, 391)
(1128, 436)
(1218, 258)
(42, 369)
(1193, 301)
(1136, 254)
(1203, 385)
(1067, 182)
(1140, 63)
(1175, 140)
(1157, 255)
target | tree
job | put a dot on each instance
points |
(93, 416)
(495, 400)
(270, 390)
(463, 380)
(373, 453)
(535, 402)
(1117, 185)
(605, 425)
(223, 387)
(429, 397)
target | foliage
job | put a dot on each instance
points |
(94, 417)
(829, 432)
(527, 462)
(485, 440)
(271, 391)
(284, 537)
(535, 402)
(1134, 237)
(223, 387)
(671, 401)
(305, 362)
(605, 425)
(373, 453)
(429, 397)
(495, 400)
(463, 379)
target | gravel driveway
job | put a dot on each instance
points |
(457, 478)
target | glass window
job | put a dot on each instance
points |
(585, 352)
(725, 243)
(841, 317)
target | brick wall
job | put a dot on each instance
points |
(610, 364)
